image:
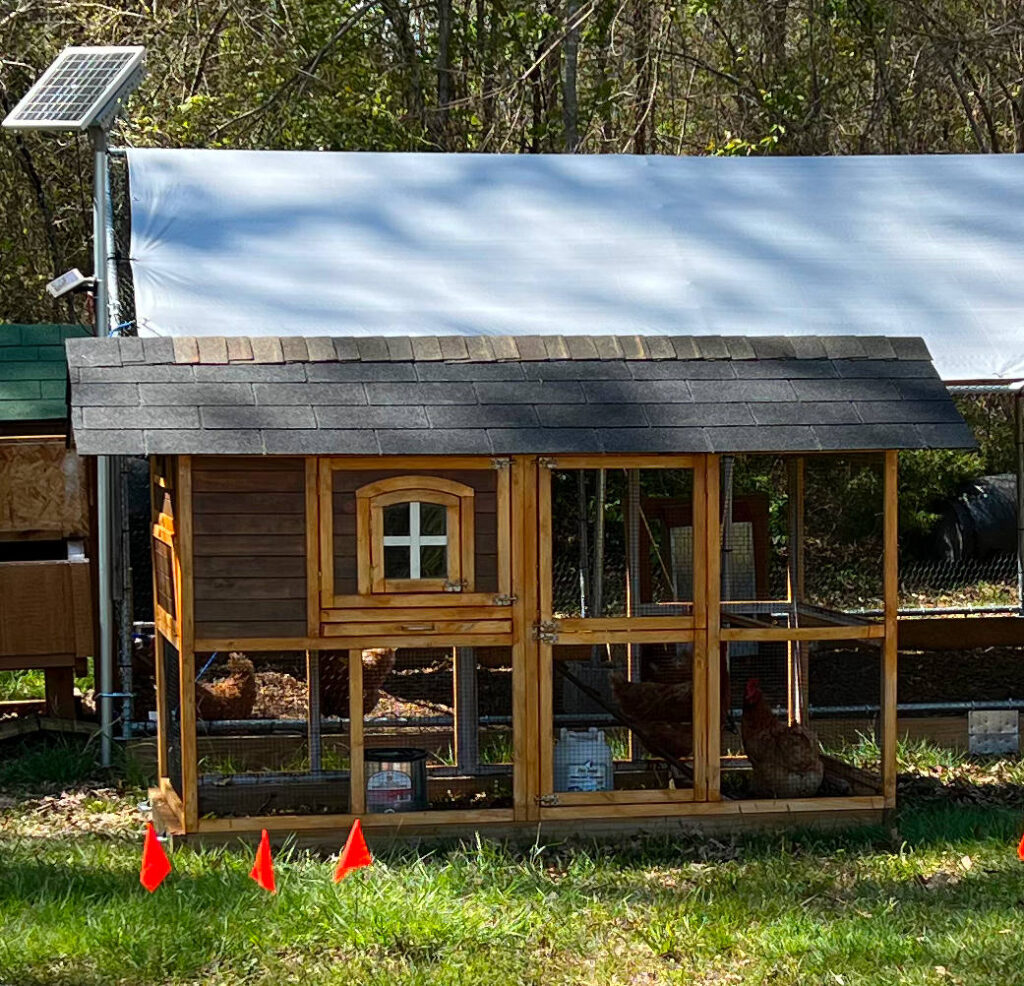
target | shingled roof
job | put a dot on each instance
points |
(508, 395)
(33, 375)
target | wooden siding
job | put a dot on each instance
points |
(249, 547)
(482, 481)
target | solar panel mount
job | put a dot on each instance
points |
(81, 89)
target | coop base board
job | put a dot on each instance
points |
(699, 819)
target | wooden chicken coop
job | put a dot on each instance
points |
(453, 584)
(47, 620)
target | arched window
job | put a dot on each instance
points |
(415, 535)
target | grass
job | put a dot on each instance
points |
(17, 685)
(936, 898)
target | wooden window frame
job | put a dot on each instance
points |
(333, 607)
(457, 498)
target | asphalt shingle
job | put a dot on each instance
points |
(503, 395)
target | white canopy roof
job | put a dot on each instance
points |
(352, 244)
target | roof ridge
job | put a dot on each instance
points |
(218, 350)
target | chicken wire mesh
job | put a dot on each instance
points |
(800, 720)
(440, 734)
(622, 542)
(170, 725)
(264, 747)
(622, 716)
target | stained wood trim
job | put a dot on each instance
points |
(421, 820)
(621, 461)
(890, 540)
(527, 689)
(544, 547)
(713, 590)
(625, 624)
(332, 640)
(806, 809)
(361, 462)
(357, 763)
(340, 606)
(700, 637)
(325, 486)
(370, 615)
(871, 631)
(395, 486)
(660, 796)
(206, 645)
(663, 635)
(312, 548)
(418, 627)
(186, 630)
(504, 513)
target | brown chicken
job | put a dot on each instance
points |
(232, 697)
(378, 663)
(661, 714)
(785, 759)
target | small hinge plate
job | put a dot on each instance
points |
(456, 586)
(505, 600)
(546, 632)
(547, 800)
(546, 462)
(501, 463)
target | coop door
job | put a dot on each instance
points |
(621, 593)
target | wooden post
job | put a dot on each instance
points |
(701, 723)
(531, 585)
(312, 549)
(357, 762)
(186, 632)
(60, 692)
(713, 596)
(796, 651)
(890, 643)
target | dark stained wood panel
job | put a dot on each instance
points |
(164, 576)
(249, 519)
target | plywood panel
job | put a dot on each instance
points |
(43, 489)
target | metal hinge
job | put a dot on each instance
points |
(505, 600)
(546, 632)
(547, 463)
(501, 463)
(454, 586)
(547, 800)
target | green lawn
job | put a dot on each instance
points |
(938, 898)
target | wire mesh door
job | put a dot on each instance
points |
(618, 722)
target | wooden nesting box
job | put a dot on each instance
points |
(443, 587)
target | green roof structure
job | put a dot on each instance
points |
(33, 371)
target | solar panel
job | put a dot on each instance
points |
(76, 90)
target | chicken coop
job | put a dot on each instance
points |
(486, 583)
(47, 618)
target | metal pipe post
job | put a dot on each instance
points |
(105, 656)
(1019, 416)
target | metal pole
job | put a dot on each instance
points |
(1019, 407)
(105, 657)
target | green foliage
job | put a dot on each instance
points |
(702, 77)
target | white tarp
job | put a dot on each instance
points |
(306, 243)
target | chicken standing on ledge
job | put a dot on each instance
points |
(785, 759)
(232, 697)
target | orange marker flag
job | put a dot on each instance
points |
(263, 869)
(155, 864)
(355, 854)
(1020, 849)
